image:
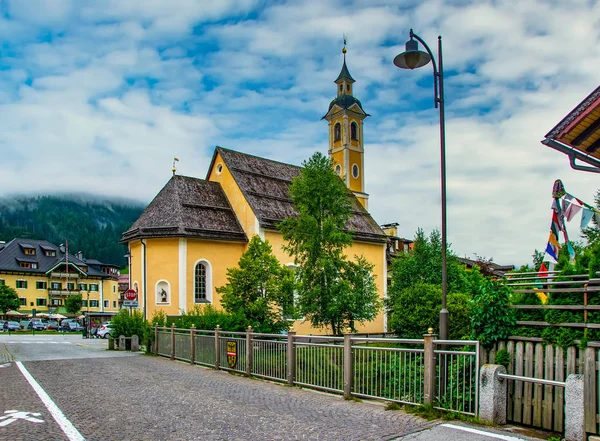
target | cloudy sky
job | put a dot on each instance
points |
(99, 96)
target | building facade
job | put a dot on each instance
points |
(195, 229)
(44, 275)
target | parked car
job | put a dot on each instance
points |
(64, 325)
(36, 325)
(11, 326)
(72, 327)
(52, 324)
(2, 325)
(24, 323)
(104, 330)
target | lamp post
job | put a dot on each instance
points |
(414, 58)
(87, 325)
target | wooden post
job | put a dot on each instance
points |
(156, 339)
(518, 400)
(249, 351)
(217, 348)
(510, 347)
(589, 390)
(528, 386)
(537, 387)
(193, 344)
(348, 365)
(173, 341)
(559, 393)
(429, 367)
(291, 358)
(548, 375)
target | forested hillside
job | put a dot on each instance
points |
(91, 224)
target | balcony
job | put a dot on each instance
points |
(70, 275)
(63, 292)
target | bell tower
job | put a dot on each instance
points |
(346, 148)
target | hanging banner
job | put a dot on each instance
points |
(586, 217)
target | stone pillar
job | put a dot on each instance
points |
(217, 348)
(348, 365)
(156, 339)
(492, 394)
(135, 343)
(291, 358)
(193, 344)
(111, 344)
(173, 341)
(574, 408)
(249, 351)
(121, 342)
(429, 368)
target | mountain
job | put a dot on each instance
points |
(90, 223)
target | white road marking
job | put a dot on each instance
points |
(69, 429)
(481, 432)
(15, 415)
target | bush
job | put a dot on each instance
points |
(503, 358)
(125, 324)
(207, 317)
(416, 308)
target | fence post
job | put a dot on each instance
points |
(156, 339)
(173, 341)
(249, 352)
(492, 398)
(193, 344)
(590, 376)
(291, 358)
(429, 368)
(122, 344)
(217, 348)
(348, 364)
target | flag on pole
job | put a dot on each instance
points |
(553, 247)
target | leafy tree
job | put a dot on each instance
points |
(259, 288)
(207, 317)
(491, 319)
(424, 300)
(9, 299)
(73, 304)
(128, 324)
(316, 238)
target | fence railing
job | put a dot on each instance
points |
(409, 371)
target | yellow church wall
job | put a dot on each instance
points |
(220, 256)
(236, 198)
(355, 158)
(162, 263)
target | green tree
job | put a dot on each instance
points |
(73, 304)
(9, 299)
(316, 238)
(424, 300)
(128, 324)
(259, 288)
(491, 319)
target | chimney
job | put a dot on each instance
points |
(79, 255)
(62, 248)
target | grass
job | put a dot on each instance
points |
(428, 412)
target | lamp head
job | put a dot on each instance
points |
(412, 58)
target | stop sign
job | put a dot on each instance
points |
(130, 294)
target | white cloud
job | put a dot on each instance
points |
(99, 97)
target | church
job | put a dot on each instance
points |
(195, 229)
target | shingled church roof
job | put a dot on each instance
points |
(188, 207)
(265, 184)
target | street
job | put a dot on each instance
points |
(68, 388)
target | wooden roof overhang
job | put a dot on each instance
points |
(578, 134)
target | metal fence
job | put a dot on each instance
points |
(441, 372)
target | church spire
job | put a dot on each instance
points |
(344, 74)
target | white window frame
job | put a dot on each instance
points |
(208, 281)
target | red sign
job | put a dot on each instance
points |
(130, 294)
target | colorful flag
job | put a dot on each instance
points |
(586, 217)
(571, 211)
(543, 271)
(553, 246)
(566, 202)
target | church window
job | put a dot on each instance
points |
(219, 168)
(354, 131)
(348, 87)
(355, 171)
(337, 132)
(341, 88)
(338, 170)
(202, 282)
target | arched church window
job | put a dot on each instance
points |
(337, 132)
(355, 171)
(354, 131)
(201, 273)
(338, 170)
(348, 87)
(341, 88)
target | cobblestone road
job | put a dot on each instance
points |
(150, 398)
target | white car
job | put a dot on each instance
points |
(104, 330)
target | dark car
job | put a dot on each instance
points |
(52, 324)
(71, 327)
(36, 325)
(11, 326)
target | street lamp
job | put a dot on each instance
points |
(413, 58)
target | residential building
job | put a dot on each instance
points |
(44, 275)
